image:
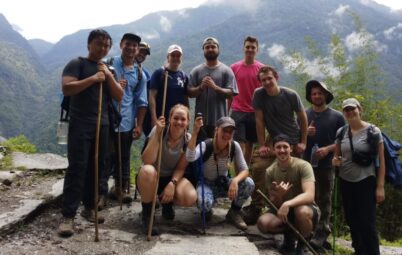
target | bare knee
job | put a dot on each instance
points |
(186, 195)
(303, 213)
(269, 223)
(146, 179)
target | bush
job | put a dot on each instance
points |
(19, 143)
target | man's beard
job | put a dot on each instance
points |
(211, 56)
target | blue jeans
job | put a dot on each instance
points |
(211, 192)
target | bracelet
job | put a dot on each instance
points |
(174, 181)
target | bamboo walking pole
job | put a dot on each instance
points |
(96, 174)
(151, 220)
(289, 224)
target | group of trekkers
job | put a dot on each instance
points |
(235, 106)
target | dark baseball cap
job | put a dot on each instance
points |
(131, 37)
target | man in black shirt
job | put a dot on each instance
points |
(81, 80)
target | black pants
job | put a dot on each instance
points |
(79, 178)
(359, 204)
(112, 162)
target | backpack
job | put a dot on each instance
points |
(114, 115)
(393, 166)
(209, 149)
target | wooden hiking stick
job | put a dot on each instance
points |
(289, 224)
(96, 174)
(158, 169)
(120, 170)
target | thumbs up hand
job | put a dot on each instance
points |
(311, 129)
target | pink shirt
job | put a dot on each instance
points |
(246, 78)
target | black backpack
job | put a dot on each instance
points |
(114, 115)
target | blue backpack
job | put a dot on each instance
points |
(393, 166)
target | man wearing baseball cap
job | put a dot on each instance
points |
(212, 83)
(133, 108)
(323, 124)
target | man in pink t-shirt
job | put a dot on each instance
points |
(245, 72)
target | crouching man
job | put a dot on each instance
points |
(290, 186)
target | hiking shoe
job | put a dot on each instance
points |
(66, 227)
(168, 211)
(145, 225)
(208, 215)
(89, 215)
(126, 199)
(234, 217)
(288, 245)
(101, 203)
(251, 214)
(115, 192)
(300, 248)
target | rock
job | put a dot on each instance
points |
(7, 177)
(37, 161)
(211, 245)
(2, 139)
(9, 219)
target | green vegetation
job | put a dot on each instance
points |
(19, 143)
(356, 73)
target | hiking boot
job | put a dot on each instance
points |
(101, 203)
(251, 214)
(300, 248)
(146, 216)
(168, 211)
(89, 215)
(234, 217)
(288, 245)
(126, 199)
(66, 227)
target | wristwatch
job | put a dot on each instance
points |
(174, 181)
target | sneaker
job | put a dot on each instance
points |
(234, 217)
(101, 203)
(251, 214)
(89, 215)
(66, 227)
(168, 211)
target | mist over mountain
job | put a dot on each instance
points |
(30, 70)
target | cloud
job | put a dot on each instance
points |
(336, 17)
(394, 32)
(183, 13)
(316, 68)
(165, 23)
(277, 51)
(357, 40)
(150, 35)
(250, 5)
(341, 10)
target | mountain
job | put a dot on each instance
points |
(41, 47)
(30, 81)
(24, 86)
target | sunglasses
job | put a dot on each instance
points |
(349, 109)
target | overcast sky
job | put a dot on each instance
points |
(51, 19)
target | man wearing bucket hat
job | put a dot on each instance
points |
(212, 83)
(323, 124)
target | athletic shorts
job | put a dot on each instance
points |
(245, 126)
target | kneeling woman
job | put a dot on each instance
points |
(172, 188)
(216, 168)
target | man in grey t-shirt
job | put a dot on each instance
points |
(275, 109)
(211, 83)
